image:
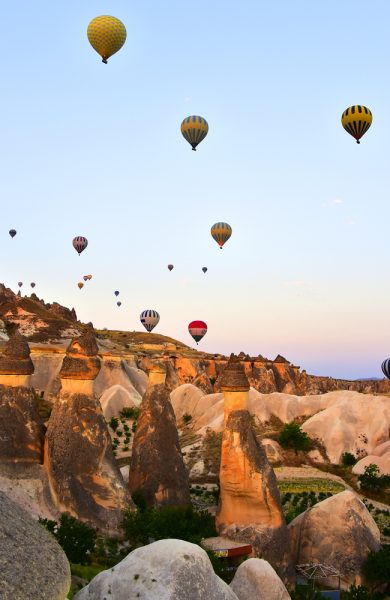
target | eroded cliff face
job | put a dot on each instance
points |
(84, 478)
(157, 469)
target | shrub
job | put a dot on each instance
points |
(113, 423)
(187, 418)
(76, 538)
(119, 433)
(372, 481)
(357, 592)
(348, 459)
(130, 412)
(183, 523)
(125, 448)
(134, 426)
(377, 568)
(292, 436)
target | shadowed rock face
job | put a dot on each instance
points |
(250, 508)
(81, 361)
(83, 474)
(22, 431)
(233, 377)
(16, 357)
(157, 468)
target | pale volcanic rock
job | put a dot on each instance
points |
(116, 371)
(165, 570)
(81, 361)
(32, 563)
(116, 398)
(255, 578)
(273, 450)
(84, 478)
(250, 508)
(339, 532)
(354, 423)
(157, 468)
(22, 430)
(382, 462)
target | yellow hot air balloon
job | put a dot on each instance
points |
(194, 130)
(80, 285)
(221, 232)
(106, 35)
(356, 120)
(89, 277)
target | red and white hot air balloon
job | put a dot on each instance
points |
(197, 329)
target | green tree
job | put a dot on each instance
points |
(357, 592)
(377, 568)
(292, 436)
(187, 418)
(76, 538)
(372, 481)
(348, 459)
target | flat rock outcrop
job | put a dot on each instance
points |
(32, 563)
(22, 431)
(339, 532)
(157, 469)
(83, 474)
(255, 578)
(164, 570)
(250, 508)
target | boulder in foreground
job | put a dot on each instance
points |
(255, 578)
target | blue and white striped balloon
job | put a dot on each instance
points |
(149, 319)
(386, 368)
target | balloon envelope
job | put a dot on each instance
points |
(32, 284)
(106, 35)
(194, 129)
(116, 293)
(149, 319)
(119, 303)
(20, 283)
(85, 277)
(80, 243)
(89, 277)
(197, 330)
(386, 368)
(80, 285)
(204, 269)
(356, 120)
(221, 232)
(12, 232)
(170, 267)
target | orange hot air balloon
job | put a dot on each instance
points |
(80, 285)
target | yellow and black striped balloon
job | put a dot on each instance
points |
(194, 129)
(356, 120)
(106, 35)
(221, 232)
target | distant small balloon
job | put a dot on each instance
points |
(204, 269)
(106, 34)
(386, 368)
(170, 267)
(20, 283)
(12, 232)
(89, 277)
(85, 277)
(116, 293)
(32, 284)
(119, 303)
(194, 129)
(80, 243)
(221, 232)
(356, 120)
(149, 319)
(80, 285)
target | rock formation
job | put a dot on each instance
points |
(250, 508)
(339, 532)
(164, 570)
(380, 456)
(235, 387)
(32, 563)
(21, 428)
(157, 469)
(83, 474)
(256, 579)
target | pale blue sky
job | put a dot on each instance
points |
(96, 150)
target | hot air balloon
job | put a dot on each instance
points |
(80, 285)
(119, 303)
(386, 368)
(80, 243)
(221, 232)
(356, 120)
(106, 35)
(89, 277)
(149, 319)
(20, 283)
(197, 330)
(204, 269)
(32, 284)
(12, 232)
(85, 277)
(194, 129)
(116, 293)
(170, 267)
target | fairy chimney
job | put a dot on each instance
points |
(81, 365)
(15, 363)
(235, 386)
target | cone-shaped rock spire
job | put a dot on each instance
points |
(233, 377)
(81, 360)
(16, 357)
